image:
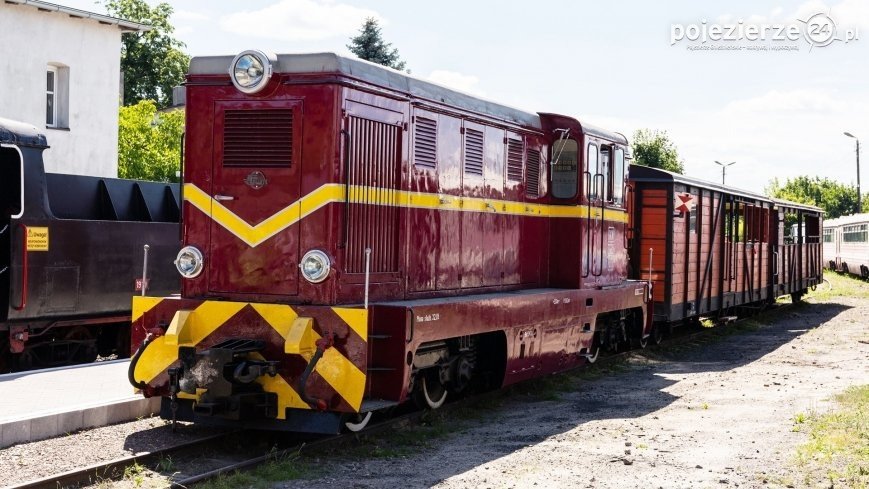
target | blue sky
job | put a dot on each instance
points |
(776, 113)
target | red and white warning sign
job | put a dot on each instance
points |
(683, 202)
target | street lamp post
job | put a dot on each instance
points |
(723, 168)
(859, 206)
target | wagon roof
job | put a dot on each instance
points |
(21, 134)
(648, 174)
(843, 220)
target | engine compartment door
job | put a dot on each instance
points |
(254, 238)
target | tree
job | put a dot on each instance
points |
(370, 46)
(152, 62)
(835, 198)
(653, 148)
(149, 143)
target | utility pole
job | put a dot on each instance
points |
(859, 203)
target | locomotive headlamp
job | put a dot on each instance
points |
(250, 70)
(315, 266)
(189, 262)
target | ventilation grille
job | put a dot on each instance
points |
(514, 160)
(258, 137)
(372, 216)
(473, 152)
(425, 142)
(532, 175)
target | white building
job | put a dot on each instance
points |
(60, 69)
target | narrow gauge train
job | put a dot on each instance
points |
(71, 248)
(846, 244)
(355, 238)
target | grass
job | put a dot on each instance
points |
(839, 285)
(265, 476)
(837, 452)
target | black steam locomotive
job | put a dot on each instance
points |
(72, 251)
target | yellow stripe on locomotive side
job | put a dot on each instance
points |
(335, 193)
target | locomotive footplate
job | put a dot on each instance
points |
(222, 380)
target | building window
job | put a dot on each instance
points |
(57, 96)
(51, 97)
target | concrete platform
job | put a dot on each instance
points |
(45, 403)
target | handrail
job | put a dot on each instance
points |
(24, 271)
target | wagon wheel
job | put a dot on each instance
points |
(657, 335)
(429, 392)
(83, 352)
(5, 356)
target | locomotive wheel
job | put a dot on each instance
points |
(430, 392)
(639, 342)
(85, 353)
(594, 350)
(358, 422)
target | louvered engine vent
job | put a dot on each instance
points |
(258, 137)
(514, 160)
(473, 152)
(425, 142)
(532, 174)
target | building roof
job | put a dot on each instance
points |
(123, 24)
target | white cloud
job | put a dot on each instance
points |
(189, 16)
(299, 20)
(458, 81)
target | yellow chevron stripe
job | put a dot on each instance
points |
(195, 326)
(338, 371)
(287, 396)
(355, 318)
(141, 305)
(334, 193)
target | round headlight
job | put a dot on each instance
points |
(315, 266)
(189, 262)
(250, 70)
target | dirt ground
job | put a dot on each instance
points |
(720, 414)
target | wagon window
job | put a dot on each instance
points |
(564, 168)
(858, 233)
(828, 235)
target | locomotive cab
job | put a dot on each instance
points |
(11, 207)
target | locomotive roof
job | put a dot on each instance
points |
(649, 174)
(21, 134)
(387, 77)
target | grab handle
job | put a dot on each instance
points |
(23, 303)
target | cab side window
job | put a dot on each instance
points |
(605, 171)
(564, 168)
(618, 177)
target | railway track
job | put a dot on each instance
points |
(291, 445)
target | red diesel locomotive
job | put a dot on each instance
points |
(355, 238)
